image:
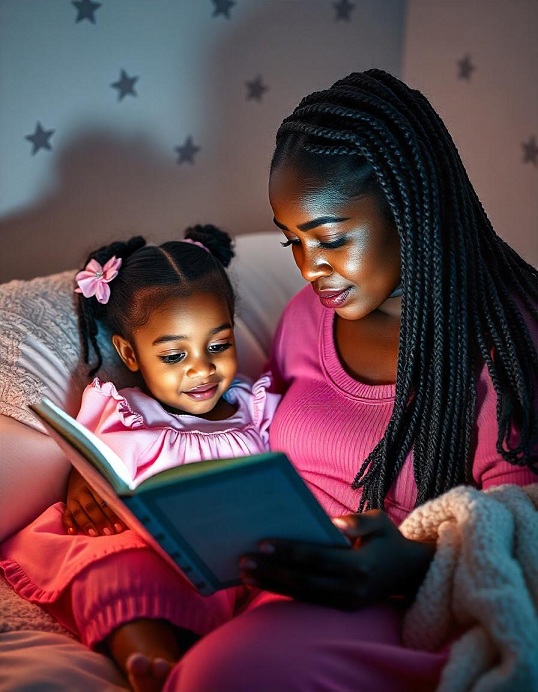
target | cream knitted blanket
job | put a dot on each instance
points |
(484, 579)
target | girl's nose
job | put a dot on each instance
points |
(198, 367)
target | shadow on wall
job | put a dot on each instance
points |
(106, 188)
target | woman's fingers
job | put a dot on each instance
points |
(362, 526)
(380, 563)
(327, 576)
(310, 588)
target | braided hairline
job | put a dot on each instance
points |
(442, 451)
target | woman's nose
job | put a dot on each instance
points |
(312, 265)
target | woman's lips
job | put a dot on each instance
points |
(333, 299)
(203, 392)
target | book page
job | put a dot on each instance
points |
(82, 446)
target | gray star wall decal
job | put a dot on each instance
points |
(256, 89)
(222, 7)
(530, 151)
(125, 85)
(40, 139)
(86, 9)
(343, 9)
(187, 152)
(465, 68)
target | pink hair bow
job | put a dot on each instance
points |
(93, 280)
(196, 242)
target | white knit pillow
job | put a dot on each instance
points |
(40, 353)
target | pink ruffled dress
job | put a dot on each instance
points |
(94, 584)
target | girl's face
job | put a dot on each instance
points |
(348, 251)
(185, 353)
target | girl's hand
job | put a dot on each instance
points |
(381, 563)
(86, 511)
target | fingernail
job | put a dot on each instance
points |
(71, 530)
(267, 548)
(107, 531)
(92, 532)
(247, 563)
(118, 528)
(341, 523)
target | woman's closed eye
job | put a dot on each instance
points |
(328, 245)
(289, 242)
(333, 244)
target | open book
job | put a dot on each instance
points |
(200, 516)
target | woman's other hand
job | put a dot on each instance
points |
(381, 564)
(86, 511)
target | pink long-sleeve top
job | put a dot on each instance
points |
(328, 422)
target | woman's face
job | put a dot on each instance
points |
(348, 251)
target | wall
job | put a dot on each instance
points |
(477, 61)
(107, 167)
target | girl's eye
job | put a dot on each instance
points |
(333, 244)
(173, 358)
(219, 348)
(289, 242)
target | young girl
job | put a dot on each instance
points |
(169, 311)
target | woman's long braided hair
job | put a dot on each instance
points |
(465, 291)
(151, 275)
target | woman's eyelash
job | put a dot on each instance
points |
(331, 245)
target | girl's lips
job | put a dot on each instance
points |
(203, 392)
(333, 299)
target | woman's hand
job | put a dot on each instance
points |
(381, 563)
(86, 511)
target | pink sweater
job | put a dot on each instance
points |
(328, 423)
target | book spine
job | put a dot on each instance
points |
(167, 544)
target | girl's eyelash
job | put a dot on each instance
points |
(173, 358)
(288, 243)
(219, 348)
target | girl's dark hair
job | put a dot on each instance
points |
(151, 275)
(468, 298)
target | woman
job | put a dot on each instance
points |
(409, 369)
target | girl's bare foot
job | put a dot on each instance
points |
(146, 674)
(146, 650)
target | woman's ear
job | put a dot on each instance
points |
(126, 352)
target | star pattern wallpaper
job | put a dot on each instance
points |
(478, 64)
(126, 117)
